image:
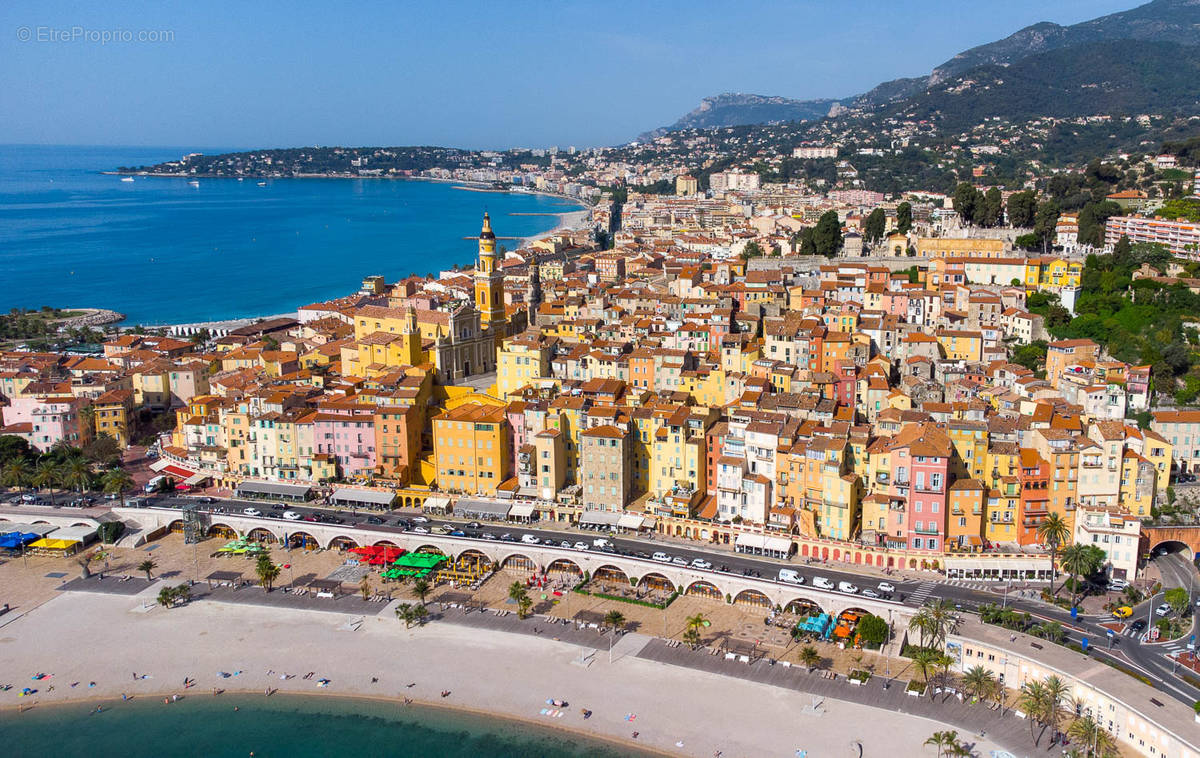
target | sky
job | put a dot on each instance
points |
(477, 74)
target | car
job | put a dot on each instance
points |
(530, 539)
(790, 576)
(847, 587)
(887, 587)
(272, 514)
(251, 512)
(489, 536)
(292, 516)
(420, 520)
(441, 529)
(420, 530)
(565, 544)
(822, 582)
(457, 533)
(661, 557)
(311, 517)
(374, 520)
(1122, 612)
(700, 563)
(206, 500)
(474, 525)
(506, 537)
(1162, 610)
(1137, 627)
(1117, 585)
(278, 507)
(580, 546)
(868, 592)
(679, 561)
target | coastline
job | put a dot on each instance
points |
(495, 674)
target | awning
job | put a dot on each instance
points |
(81, 533)
(178, 471)
(41, 530)
(275, 489)
(436, 504)
(521, 510)
(160, 464)
(630, 521)
(195, 479)
(481, 509)
(764, 543)
(50, 543)
(366, 497)
(599, 518)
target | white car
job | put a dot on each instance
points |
(530, 539)
(886, 587)
(868, 592)
(580, 546)
(822, 582)
(420, 530)
(847, 587)
(679, 561)
(661, 557)
(420, 520)
(700, 563)
(1162, 610)
(251, 512)
(292, 516)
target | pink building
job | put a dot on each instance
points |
(349, 437)
(49, 420)
(920, 459)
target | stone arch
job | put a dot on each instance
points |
(891, 561)
(804, 550)
(564, 565)
(825, 553)
(261, 534)
(80, 523)
(224, 531)
(802, 606)
(868, 558)
(407, 502)
(610, 573)
(41, 521)
(302, 540)
(175, 527)
(656, 581)
(518, 561)
(341, 542)
(705, 589)
(385, 543)
(752, 598)
(912, 563)
(837, 554)
(434, 549)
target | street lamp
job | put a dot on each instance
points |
(1150, 611)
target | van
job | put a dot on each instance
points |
(790, 576)
(661, 558)
(847, 587)
(822, 582)
(152, 485)
(600, 542)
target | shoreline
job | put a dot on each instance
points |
(491, 673)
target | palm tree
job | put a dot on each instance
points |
(615, 619)
(116, 481)
(923, 623)
(1078, 561)
(944, 620)
(925, 659)
(45, 476)
(421, 588)
(517, 592)
(1054, 532)
(1032, 700)
(266, 570)
(364, 586)
(1057, 692)
(404, 612)
(1050, 630)
(77, 474)
(810, 657)
(1094, 738)
(15, 474)
(147, 566)
(978, 681)
(944, 741)
(694, 624)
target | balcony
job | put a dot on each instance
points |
(882, 478)
(926, 530)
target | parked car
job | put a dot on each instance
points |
(1162, 610)
(311, 518)
(886, 587)
(580, 546)
(1117, 585)
(420, 530)
(565, 544)
(506, 537)
(530, 539)
(679, 561)
(661, 557)
(206, 500)
(700, 563)
(868, 592)
(278, 507)
(420, 520)
(251, 512)
(474, 525)
(457, 533)
(292, 516)
(847, 587)
(790, 576)
(374, 520)
(822, 582)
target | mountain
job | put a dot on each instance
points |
(1116, 77)
(738, 109)
(1159, 21)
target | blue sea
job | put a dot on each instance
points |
(162, 251)
(282, 727)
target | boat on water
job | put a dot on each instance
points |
(194, 183)
(262, 184)
(127, 178)
(240, 179)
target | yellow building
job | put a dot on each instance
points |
(964, 521)
(470, 443)
(1003, 504)
(677, 453)
(970, 440)
(959, 247)
(112, 413)
(489, 281)
(1138, 478)
(1050, 272)
(521, 360)
(961, 345)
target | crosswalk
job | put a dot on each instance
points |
(981, 586)
(922, 592)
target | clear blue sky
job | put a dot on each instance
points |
(447, 72)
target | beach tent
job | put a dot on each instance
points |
(53, 545)
(414, 564)
(16, 540)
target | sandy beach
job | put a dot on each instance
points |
(107, 639)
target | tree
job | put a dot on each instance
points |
(364, 586)
(810, 657)
(15, 473)
(77, 475)
(966, 202)
(147, 566)
(1021, 208)
(991, 208)
(615, 619)
(1080, 561)
(873, 630)
(169, 597)
(1044, 222)
(1032, 700)
(116, 481)
(1056, 693)
(518, 593)
(14, 448)
(875, 226)
(904, 217)
(404, 612)
(1094, 738)
(925, 660)
(752, 250)
(978, 681)
(45, 476)
(945, 742)
(421, 588)
(103, 450)
(945, 619)
(1050, 630)
(923, 623)
(1053, 531)
(1177, 598)
(266, 570)
(827, 235)
(694, 625)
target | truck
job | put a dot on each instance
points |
(790, 576)
(153, 484)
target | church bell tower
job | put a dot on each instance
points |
(489, 282)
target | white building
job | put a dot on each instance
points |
(1114, 531)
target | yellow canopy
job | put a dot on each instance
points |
(51, 543)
